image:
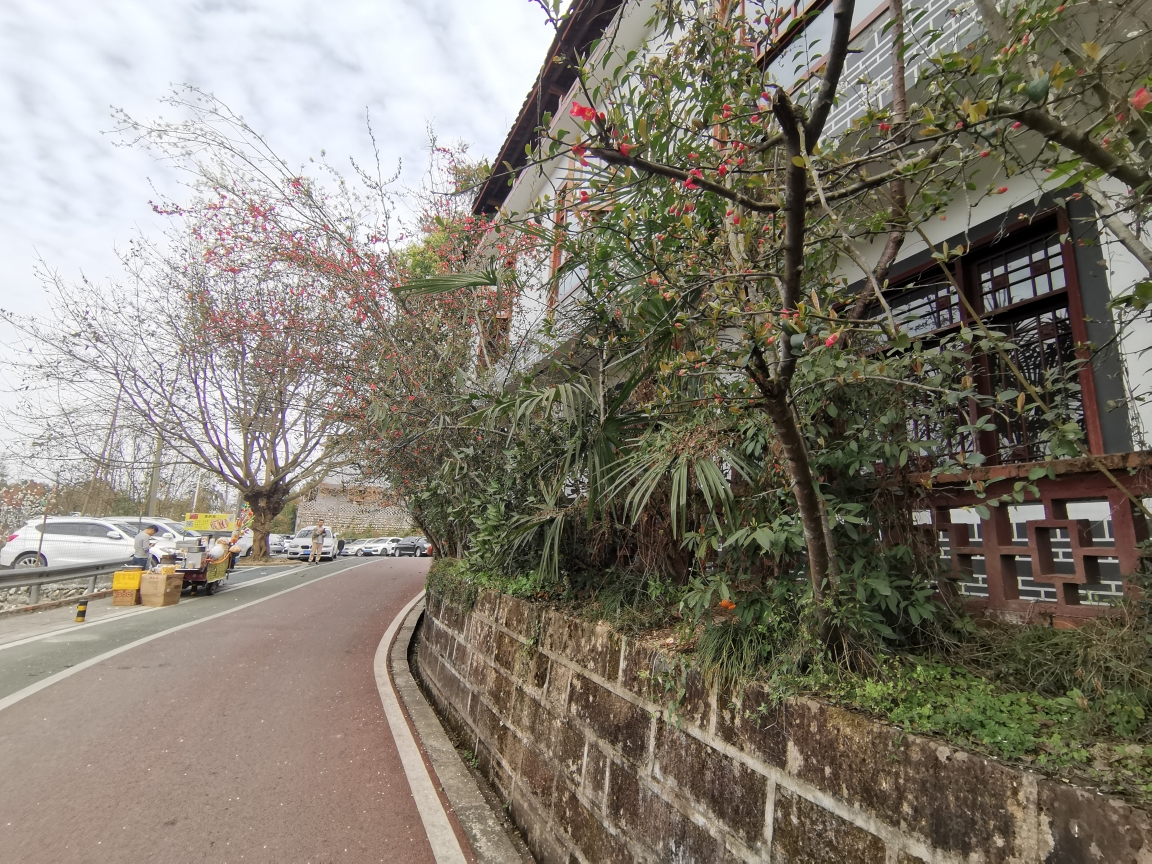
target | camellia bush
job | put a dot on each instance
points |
(738, 416)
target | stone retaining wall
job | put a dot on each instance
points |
(570, 722)
(17, 598)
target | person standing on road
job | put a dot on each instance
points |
(317, 543)
(140, 546)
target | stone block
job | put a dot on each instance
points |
(728, 708)
(487, 605)
(505, 650)
(486, 723)
(521, 618)
(638, 671)
(586, 831)
(803, 833)
(595, 773)
(618, 722)
(536, 826)
(655, 825)
(537, 776)
(695, 705)
(556, 688)
(501, 692)
(728, 790)
(452, 618)
(482, 638)
(1080, 826)
(532, 668)
(594, 646)
(454, 688)
(758, 727)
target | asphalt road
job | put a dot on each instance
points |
(256, 735)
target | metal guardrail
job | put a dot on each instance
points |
(37, 576)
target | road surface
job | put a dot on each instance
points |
(256, 735)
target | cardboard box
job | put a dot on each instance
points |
(158, 589)
(127, 580)
(125, 597)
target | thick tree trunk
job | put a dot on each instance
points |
(266, 505)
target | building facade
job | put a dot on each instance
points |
(1041, 269)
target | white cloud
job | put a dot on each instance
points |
(302, 72)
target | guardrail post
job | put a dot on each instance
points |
(91, 586)
(33, 595)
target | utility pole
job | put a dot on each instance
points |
(154, 480)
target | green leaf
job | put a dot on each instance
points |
(1037, 89)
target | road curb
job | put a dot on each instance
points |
(490, 844)
(56, 604)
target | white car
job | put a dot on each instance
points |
(63, 540)
(380, 546)
(353, 547)
(300, 546)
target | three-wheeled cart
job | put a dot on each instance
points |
(197, 570)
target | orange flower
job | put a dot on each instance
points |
(727, 604)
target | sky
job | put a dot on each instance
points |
(301, 72)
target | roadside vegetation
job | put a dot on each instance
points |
(732, 440)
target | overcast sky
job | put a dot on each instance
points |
(302, 72)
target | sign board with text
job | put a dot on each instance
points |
(209, 521)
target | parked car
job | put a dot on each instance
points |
(381, 546)
(416, 547)
(353, 546)
(300, 546)
(277, 543)
(61, 540)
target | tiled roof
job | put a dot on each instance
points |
(584, 23)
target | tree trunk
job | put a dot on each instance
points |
(804, 488)
(266, 505)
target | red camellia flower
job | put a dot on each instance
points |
(1017, 125)
(583, 196)
(1002, 190)
(693, 155)
(884, 127)
(582, 112)
(983, 154)
(626, 149)
(727, 111)
(722, 169)
(1141, 99)
(831, 340)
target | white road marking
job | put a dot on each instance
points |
(88, 625)
(31, 689)
(441, 837)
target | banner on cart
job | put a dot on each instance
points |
(209, 521)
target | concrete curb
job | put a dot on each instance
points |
(56, 604)
(485, 833)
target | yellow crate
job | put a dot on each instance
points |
(126, 580)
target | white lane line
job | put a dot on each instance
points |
(74, 628)
(441, 837)
(31, 689)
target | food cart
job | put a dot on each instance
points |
(198, 559)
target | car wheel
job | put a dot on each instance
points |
(209, 588)
(30, 559)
